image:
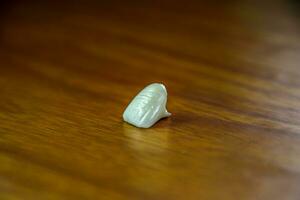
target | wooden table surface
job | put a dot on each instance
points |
(68, 71)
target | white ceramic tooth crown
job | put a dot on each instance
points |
(147, 107)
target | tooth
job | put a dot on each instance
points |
(147, 107)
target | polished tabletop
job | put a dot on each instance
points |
(69, 69)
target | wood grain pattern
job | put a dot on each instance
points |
(68, 70)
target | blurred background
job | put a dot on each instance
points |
(68, 69)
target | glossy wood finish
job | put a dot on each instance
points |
(68, 70)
